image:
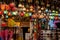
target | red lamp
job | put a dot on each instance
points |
(12, 5)
(8, 7)
(3, 25)
(1, 12)
(22, 14)
(56, 18)
(14, 8)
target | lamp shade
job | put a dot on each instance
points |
(14, 13)
(30, 14)
(12, 5)
(34, 16)
(26, 14)
(22, 14)
(1, 12)
(51, 17)
(6, 16)
(9, 14)
(20, 5)
(14, 8)
(41, 16)
(8, 7)
(3, 24)
(46, 10)
(5, 12)
(56, 18)
(3, 7)
(53, 11)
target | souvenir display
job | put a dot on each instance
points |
(30, 19)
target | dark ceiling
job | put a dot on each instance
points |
(52, 2)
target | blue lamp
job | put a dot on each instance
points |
(46, 10)
(6, 16)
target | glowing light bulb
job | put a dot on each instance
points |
(46, 10)
(20, 5)
(5, 12)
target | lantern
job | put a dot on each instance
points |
(14, 8)
(30, 14)
(14, 13)
(3, 6)
(51, 17)
(39, 11)
(56, 11)
(31, 7)
(48, 5)
(20, 5)
(41, 16)
(38, 7)
(2, 16)
(9, 14)
(3, 24)
(34, 16)
(8, 7)
(24, 9)
(1, 12)
(27, 10)
(6, 16)
(26, 14)
(42, 3)
(22, 14)
(27, 6)
(5, 12)
(46, 10)
(58, 14)
(53, 11)
(12, 5)
(49, 10)
(42, 8)
(56, 18)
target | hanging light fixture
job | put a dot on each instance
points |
(6, 16)
(30, 14)
(12, 5)
(8, 7)
(26, 15)
(1, 12)
(56, 11)
(50, 11)
(5, 12)
(14, 13)
(31, 7)
(53, 11)
(20, 5)
(48, 5)
(41, 16)
(51, 17)
(14, 8)
(46, 10)
(42, 3)
(38, 7)
(39, 11)
(24, 9)
(42, 8)
(34, 16)
(22, 14)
